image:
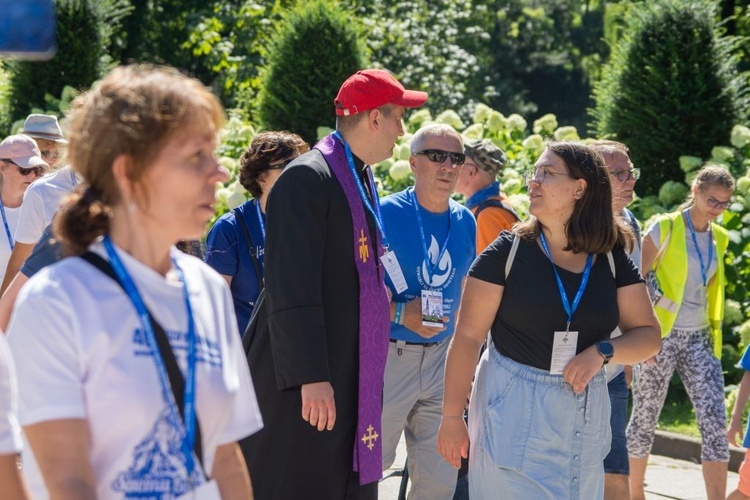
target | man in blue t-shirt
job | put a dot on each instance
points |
(434, 241)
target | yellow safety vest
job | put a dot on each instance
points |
(672, 276)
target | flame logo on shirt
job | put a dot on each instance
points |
(441, 271)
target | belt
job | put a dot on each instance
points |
(421, 344)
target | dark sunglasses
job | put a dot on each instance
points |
(27, 171)
(439, 156)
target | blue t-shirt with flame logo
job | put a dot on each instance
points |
(446, 276)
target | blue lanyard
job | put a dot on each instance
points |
(260, 220)
(7, 228)
(704, 267)
(73, 178)
(428, 265)
(189, 409)
(569, 310)
(373, 208)
(483, 194)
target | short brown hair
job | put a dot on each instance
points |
(265, 150)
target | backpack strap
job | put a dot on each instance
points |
(511, 255)
(253, 252)
(495, 204)
(611, 264)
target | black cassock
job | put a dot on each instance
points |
(312, 335)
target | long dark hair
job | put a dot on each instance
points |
(592, 227)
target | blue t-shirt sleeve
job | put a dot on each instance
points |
(745, 360)
(46, 252)
(222, 246)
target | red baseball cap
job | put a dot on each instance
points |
(371, 88)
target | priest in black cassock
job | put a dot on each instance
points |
(318, 363)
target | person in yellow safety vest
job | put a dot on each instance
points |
(685, 249)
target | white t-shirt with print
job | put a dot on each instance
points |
(81, 353)
(10, 430)
(11, 215)
(40, 203)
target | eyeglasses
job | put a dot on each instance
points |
(538, 175)
(439, 156)
(714, 203)
(40, 170)
(50, 155)
(625, 175)
(282, 165)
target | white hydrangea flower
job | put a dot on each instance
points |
(740, 136)
(534, 143)
(450, 117)
(545, 124)
(567, 133)
(400, 170)
(481, 113)
(496, 122)
(690, 163)
(517, 122)
(473, 132)
(722, 153)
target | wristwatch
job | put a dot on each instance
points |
(606, 350)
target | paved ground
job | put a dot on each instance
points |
(666, 478)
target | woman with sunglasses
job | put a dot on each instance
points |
(686, 250)
(551, 292)
(21, 164)
(132, 380)
(228, 245)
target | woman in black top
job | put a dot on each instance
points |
(539, 415)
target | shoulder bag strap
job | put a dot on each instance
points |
(176, 379)
(253, 253)
(511, 255)
(663, 247)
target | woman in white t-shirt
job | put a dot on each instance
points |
(102, 402)
(21, 164)
(11, 482)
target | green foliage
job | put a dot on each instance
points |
(670, 87)
(84, 30)
(315, 47)
(540, 55)
(426, 50)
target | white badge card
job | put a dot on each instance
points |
(563, 350)
(206, 491)
(432, 308)
(393, 268)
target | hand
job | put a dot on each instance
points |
(413, 320)
(453, 441)
(581, 369)
(734, 431)
(318, 405)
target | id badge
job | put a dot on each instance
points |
(393, 268)
(206, 491)
(432, 308)
(563, 350)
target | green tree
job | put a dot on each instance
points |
(422, 43)
(315, 47)
(84, 31)
(671, 87)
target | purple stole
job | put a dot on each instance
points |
(374, 320)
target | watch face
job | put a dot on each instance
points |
(606, 349)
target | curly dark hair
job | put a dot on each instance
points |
(268, 149)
